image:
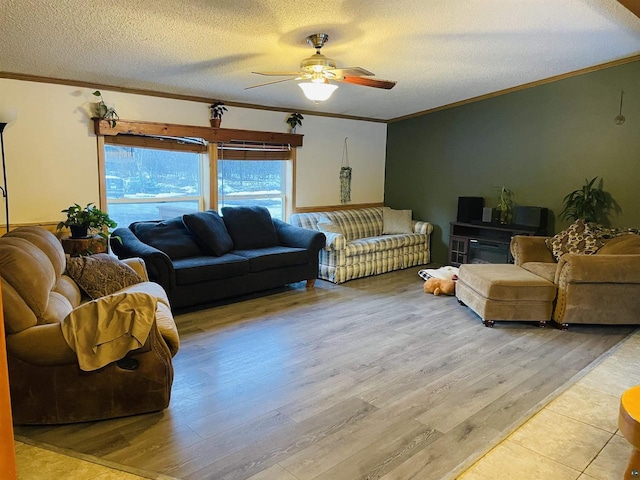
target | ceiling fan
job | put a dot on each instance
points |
(320, 70)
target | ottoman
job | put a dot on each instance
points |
(505, 292)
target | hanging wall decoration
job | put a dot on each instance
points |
(345, 175)
(620, 118)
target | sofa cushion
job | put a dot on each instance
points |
(209, 232)
(274, 257)
(101, 274)
(204, 268)
(250, 227)
(396, 221)
(169, 236)
(357, 223)
(542, 269)
(360, 247)
(506, 282)
(391, 242)
(628, 244)
(580, 238)
(57, 309)
(327, 226)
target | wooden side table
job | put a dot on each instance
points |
(629, 425)
(84, 246)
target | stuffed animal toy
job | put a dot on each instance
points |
(437, 286)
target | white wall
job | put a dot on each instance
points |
(51, 154)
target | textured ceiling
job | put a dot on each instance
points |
(439, 51)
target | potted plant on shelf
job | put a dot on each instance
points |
(505, 205)
(83, 220)
(104, 112)
(217, 110)
(294, 120)
(589, 203)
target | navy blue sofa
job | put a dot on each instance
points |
(202, 257)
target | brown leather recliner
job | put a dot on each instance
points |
(46, 382)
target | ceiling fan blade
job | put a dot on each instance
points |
(274, 81)
(369, 82)
(351, 72)
(278, 74)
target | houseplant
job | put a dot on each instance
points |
(104, 112)
(589, 203)
(217, 110)
(505, 205)
(82, 220)
(294, 120)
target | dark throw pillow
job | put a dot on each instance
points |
(209, 231)
(169, 236)
(101, 274)
(250, 227)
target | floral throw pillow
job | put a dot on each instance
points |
(580, 238)
(100, 275)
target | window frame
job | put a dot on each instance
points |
(155, 144)
(209, 182)
(290, 186)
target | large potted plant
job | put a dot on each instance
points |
(589, 203)
(84, 220)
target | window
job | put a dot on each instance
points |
(144, 183)
(253, 182)
(156, 178)
(252, 174)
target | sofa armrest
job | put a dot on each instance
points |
(525, 248)
(422, 227)
(574, 268)
(41, 345)
(158, 264)
(138, 266)
(292, 236)
(335, 242)
(44, 345)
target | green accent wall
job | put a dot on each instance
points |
(541, 142)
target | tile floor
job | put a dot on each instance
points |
(575, 437)
(35, 463)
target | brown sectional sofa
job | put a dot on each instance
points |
(602, 288)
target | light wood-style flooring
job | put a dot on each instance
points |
(369, 379)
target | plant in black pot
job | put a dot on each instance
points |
(217, 110)
(589, 203)
(85, 220)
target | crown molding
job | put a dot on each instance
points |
(174, 96)
(524, 86)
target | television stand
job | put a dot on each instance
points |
(484, 242)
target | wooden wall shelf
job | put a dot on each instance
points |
(212, 135)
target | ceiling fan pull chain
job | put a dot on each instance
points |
(345, 175)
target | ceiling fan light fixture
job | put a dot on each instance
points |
(317, 91)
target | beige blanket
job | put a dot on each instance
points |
(105, 330)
